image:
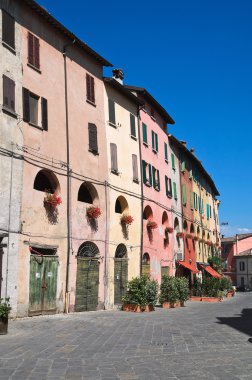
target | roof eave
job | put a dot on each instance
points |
(120, 87)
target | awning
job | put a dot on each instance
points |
(211, 271)
(188, 266)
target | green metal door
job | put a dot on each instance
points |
(43, 284)
(120, 279)
(87, 284)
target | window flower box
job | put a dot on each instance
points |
(180, 235)
(93, 212)
(169, 230)
(52, 200)
(127, 220)
(151, 224)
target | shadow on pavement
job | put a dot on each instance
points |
(241, 322)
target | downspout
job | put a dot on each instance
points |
(142, 200)
(68, 182)
(106, 266)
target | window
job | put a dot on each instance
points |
(113, 152)
(8, 93)
(111, 106)
(191, 200)
(92, 137)
(156, 179)
(8, 29)
(132, 125)
(173, 161)
(145, 137)
(242, 266)
(184, 198)
(147, 173)
(166, 152)
(195, 201)
(168, 187)
(90, 87)
(182, 164)
(46, 180)
(175, 191)
(33, 51)
(135, 168)
(154, 140)
(32, 108)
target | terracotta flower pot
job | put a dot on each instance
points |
(182, 303)
(195, 298)
(166, 305)
(149, 308)
(211, 299)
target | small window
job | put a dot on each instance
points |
(92, 136)
(33, 51)
(175, 191)
(46, 180)
(132, 125)
(147, 213)
(166, 152)
(90, 86)
(173, 161)
(113, 152)
(145, 137)
(33, 105)
(8, 29)
(156, 179)
(8, 93)
(154, 140)
(84, 194)
(135, 168)
(184, 197)
(147, 173)
(111, 106)
(168, 186)
(242, 266)
(121, 205)
(34, 111)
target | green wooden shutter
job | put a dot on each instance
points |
(144, 130)
(111, 105)
(132, 125)
(199, 203)
(202, 207)
(166, 186)
(191, 200)
(156, 141)
(150, 175)
(154, 176)
(182, 166)
(170, 187)
(175, 190)
(152, 140)
(144, 171)
(195, 201)
(166, 151)
(173, 161)
(184, 195)
(158, 180)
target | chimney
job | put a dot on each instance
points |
(118, 75)
(183, 142)
(192, 150)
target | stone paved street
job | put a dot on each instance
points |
(200, 341)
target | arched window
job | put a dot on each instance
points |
(185, 226)
(46, 180)
(121, 252)
(146, 258)
(164, 218)
(88, 249)
(176, 224)
(87, 193)
(121, 205)
(192, 229)
(147, 213)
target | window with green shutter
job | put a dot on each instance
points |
(168, 187)
(195, 201)
(144, 130)
(182, 163)
(184, 195)
(191, 200)
(173, 161)
(166, 152)
(175, 191)
(132, 125)
(156, 179)
(202, 207)
(144, 171)
(150, 175)
(154, 141)
(154, 176)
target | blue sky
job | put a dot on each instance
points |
(195, 57)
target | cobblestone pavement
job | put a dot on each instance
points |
(199, 341)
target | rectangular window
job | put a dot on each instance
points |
(33, 51)
(8, 93)
(35, 112)
(113, 152)
(92, 138)
(132, 125)
(90, 87)
(191, 200)
(135, 168)
(195, 201)
(182, 163)
(8, 29)
(154, 141)
(145, 137)
(184, 195)
(111, 106)
(166, 152)
(173, 161)
(168, 187)
(242, 266)
(147, 173)
(156, 178)
(175, 191)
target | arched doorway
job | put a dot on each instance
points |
(120, 273)
(146, 264)
(87, 281)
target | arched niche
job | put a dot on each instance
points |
(165, 219)
(88, 194)
(121, 205)
(46, 181)
(147, 212)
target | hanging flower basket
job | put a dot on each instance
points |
(209, 243)
(127, 219)
(189, 236)
(169, 230)
(93, 212)
(196, 238)
(180, 235)
(151, 224)
(52, 200)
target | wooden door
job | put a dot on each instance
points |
(87, 284)
(120, 279)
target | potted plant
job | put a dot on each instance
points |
(151, 224)
(183, 289)
(169, 294)
(141, 294)
(52, 200)
(4, 315)
(127, 220)
(93, 212)
(169, 230)
(180, 235)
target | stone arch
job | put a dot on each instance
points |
(46, 181)
(121, 252)
(146, 258)
(147, 212)
(88, 249)
(88, 194)
(121, 205)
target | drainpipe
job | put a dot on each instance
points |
(141, 181)
(106, 266)
(68, 182)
